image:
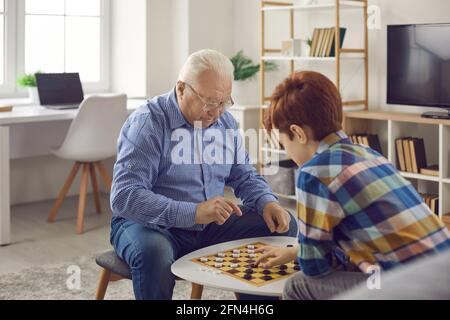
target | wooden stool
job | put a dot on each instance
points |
(115, 269)
(88, 170)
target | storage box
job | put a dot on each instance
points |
(284, 181)
(292, 48)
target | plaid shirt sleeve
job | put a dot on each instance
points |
(319, 213)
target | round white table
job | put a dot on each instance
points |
(185, 269)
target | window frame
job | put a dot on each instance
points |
(15, 49)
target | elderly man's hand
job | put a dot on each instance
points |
(217, 210)
(276, 218)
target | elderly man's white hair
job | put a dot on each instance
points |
(206, 60)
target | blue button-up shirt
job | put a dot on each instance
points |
(160, 191)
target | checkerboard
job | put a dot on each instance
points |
(242, 267)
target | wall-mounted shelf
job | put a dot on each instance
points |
(276, 6)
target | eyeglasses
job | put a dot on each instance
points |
(212, 106)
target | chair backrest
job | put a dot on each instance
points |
(96, 128)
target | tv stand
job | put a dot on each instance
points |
(437, 115)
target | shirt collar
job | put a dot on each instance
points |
(176, 117)
(331, 140)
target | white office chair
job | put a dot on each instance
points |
(92, 137)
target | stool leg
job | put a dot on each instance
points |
(103, 284)
(197, 291)
(63, 192)
(95, 188)
(104, 174)
(82, 200)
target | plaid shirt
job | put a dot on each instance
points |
(352, 200)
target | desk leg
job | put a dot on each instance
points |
(5, 213)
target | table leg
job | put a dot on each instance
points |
(5, 213)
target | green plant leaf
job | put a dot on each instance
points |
(245, 69)
(28, 80)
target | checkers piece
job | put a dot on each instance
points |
(218, 265)
(219, 259)
(247, 277)
(236, 255)
(250, 251)
(249, 271)
(204, 259)
(282, 273)
(267, 278)
(221, 255)
(234, 265)
(297, 268)
(251, 247)
(283, 267)
(266, 272)
(252, 255)
(236, 251)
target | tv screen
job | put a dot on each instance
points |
(419, 65)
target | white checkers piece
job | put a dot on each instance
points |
(252, 255)
(204, 259)
(219, 259)
(250, 251)
(218, 265)
(236, 251)
(251, 247)
(234, 265)
(221, 255)
(236, 255)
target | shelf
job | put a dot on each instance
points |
(324, 6)
(394, 116)
(447, 181)
(318, 59)
(420, 176)
(271, 150)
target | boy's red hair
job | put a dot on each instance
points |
(306, 99)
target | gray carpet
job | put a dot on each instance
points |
(48, 282)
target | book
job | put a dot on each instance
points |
(400, 155)
(407, 154)
(333, 46)
(420, 154)
(431, 171)
(412, 150)
(314, 42)
(374, 143)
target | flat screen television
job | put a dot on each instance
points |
(419, 66)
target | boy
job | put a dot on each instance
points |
(353, 204)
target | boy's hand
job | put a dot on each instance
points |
(276, 218)
(279, 256)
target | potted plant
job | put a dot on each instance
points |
(245, 86)
(29, 81)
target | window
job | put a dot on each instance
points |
(64, 36)
(2, 42)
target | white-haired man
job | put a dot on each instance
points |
(164, 209)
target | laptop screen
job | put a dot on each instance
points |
(59, 88)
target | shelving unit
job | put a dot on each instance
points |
(392, 125)
(271, 54)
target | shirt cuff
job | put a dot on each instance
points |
(263, 201)
(186, 213)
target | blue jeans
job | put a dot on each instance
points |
(150, 253)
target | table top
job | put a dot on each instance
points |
(30, 113)
(185, 269)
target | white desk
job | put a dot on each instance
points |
(26, 115)
(185, 269)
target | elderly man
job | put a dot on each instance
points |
(164, 209)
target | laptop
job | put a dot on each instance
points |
(59, 91)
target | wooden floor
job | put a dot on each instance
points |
(36, 242)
